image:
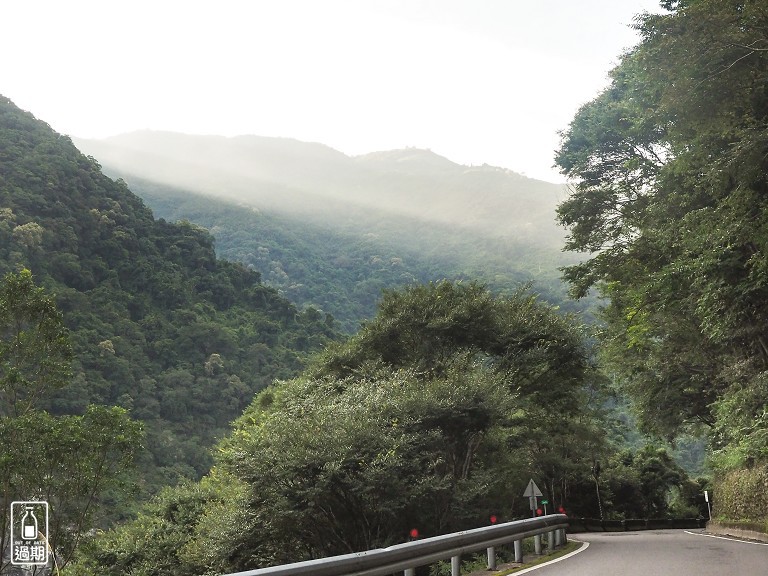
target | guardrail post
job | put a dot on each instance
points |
(551, 541)
(558, 538)
(565, 536)
(410, 572)
(491, 558)
(455, 565)
(537, 544)
(519, 551)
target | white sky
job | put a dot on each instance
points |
(478, 81)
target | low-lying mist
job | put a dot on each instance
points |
(327, 186)
(332, 231)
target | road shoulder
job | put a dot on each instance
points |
(533, 562)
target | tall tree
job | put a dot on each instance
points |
(67, 461)
(35, 353)
(670, 172)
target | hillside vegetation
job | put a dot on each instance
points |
(434, 414)
(332, 231)
(158, 324)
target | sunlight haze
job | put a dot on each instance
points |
(486, 81)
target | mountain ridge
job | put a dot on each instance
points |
(291, 176)
(333, 235)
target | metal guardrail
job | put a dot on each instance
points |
(409, 555)
(633, 524)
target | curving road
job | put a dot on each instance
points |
(661, 553)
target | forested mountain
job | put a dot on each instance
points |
(158, 324)
(439, 408)
(331, 231)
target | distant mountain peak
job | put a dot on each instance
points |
(259, 144)
(412, 160)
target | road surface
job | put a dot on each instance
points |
(661, 553)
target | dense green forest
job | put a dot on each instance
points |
(344, 272)
(158, 325)
(433, 416)
(670, 165)
(266, 436)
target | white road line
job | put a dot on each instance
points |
(583, 547)
(732, 539)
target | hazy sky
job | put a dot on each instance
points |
(478, 81)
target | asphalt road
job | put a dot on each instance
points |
(661, 553)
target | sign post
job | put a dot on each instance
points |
(532, 492)
(709, 506)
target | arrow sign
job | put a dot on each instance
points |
(532, 490)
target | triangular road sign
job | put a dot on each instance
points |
(532, 490)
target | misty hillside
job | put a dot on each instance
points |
(291, 176)
(332, 231)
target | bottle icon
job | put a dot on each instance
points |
(29, 524)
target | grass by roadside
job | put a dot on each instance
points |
(511, 569)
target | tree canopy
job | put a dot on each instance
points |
(35, 353)
(68, 461)
(434, 417)
(669, 175)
